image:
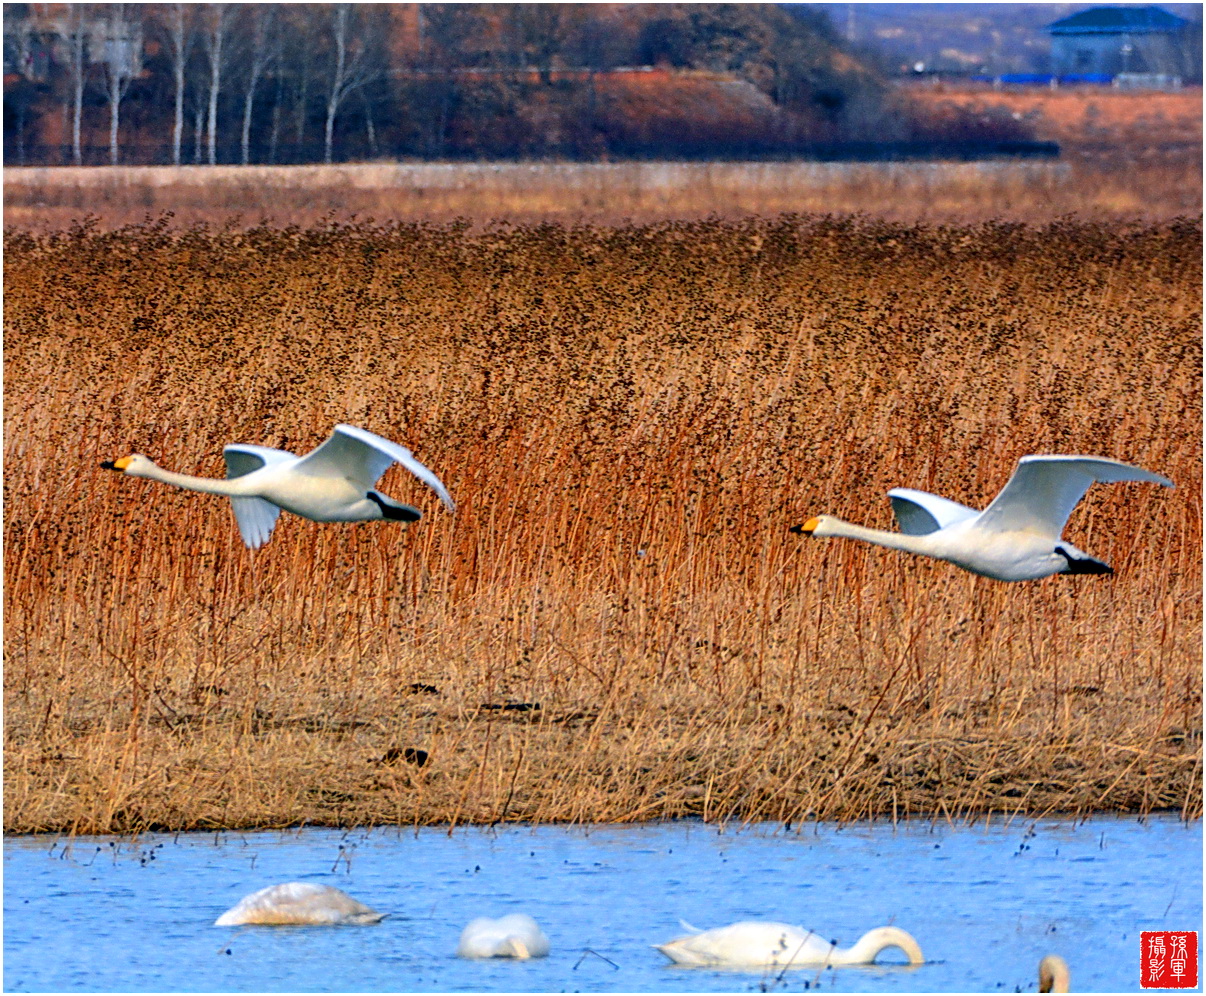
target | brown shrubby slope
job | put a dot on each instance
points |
(616, 625)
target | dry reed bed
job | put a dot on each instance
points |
(1121, 185)
(630, 418)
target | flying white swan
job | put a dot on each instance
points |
(758, 944)
(1053, 975)
(513, 936)
(299, 903)
(333, 483)
(1016, 538)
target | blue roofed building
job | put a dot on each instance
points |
(1121, 42)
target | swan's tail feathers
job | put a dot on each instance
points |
(677, 951)
(371, 917)
(1080, 562)
(688, 928)
(256, 518)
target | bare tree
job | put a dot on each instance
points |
(352, 66)
(198, 111)
(301, 108)
(180, 41)
(444, 31)
(538, 34)
(121, 57)
(218, 18)
(77, 71)
(274, 133)
(261, 45)
(301, 29)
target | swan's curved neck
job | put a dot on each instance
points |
(1053, 975)
(875, 941)
(211, 485)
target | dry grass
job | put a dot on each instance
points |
(1110, 190)
(1126, 156)
(629, 418)
(1143, 123)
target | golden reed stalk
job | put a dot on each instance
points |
(630, 418)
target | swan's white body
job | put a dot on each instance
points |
(759, 944)
(299, 904)
(333, 483)
(1054, 976)
(513, 936)
(1017, 538)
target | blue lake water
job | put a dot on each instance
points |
(136, 915)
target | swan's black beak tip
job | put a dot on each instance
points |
(796, 529)
(108, 465)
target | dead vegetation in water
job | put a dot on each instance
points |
(616, 625)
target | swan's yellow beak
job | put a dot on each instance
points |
(807, 528)
(121, 464)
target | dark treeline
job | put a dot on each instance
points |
(288, 83)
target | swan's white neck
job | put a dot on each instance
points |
(875, 941)
(1053, 975)
(831, 526)
(233, 487)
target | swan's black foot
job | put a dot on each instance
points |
(395, 510)
(1082, 565)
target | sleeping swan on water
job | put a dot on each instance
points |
(1017, 538)
(513, 936)
(299, 904)
(758, 944)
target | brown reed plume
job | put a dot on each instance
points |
(616, 625)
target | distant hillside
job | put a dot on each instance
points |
(961, 37)
(294, 83)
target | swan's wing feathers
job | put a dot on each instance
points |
(920, 512)
(363, 457)
(256, 518)
(1044, 489)
(243, 458)
(1104, 470)
(348, 452)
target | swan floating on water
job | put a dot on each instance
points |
(333, 483)
(1017, 538)
(514, 936)
(760, 944)
(1054, 976)
(300, 904)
